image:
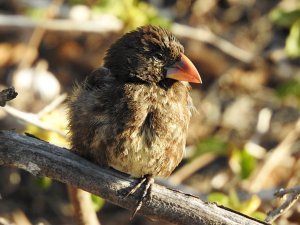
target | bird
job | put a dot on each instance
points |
(132, 113)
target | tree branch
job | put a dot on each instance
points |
(103, 25)
(43, 159)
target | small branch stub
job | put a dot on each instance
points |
(7, 95)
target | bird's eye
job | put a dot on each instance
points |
(159, 56)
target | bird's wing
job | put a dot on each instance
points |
(95, 109)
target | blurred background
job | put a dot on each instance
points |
(243, 143)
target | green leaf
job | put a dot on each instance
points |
(248, 207)
(259, 215)
(284, 18)
(289, 88)
(219, 198)
(234, 200)
(43, 182)
(248, 164)
(242, 162)
(36, 13)
(133, 13)
(292, 45)
(98, 202)
(210, 145)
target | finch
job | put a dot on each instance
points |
(132, 114)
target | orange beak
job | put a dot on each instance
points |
(184, 70)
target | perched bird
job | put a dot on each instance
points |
(132, 114)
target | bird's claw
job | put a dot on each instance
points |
(147, 191)
(137, 186)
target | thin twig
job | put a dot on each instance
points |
(274, 158)
(31, 119)
(293, 195)
(282, 192)
(190, 168)
(105, 24)
(207, 36)
(83, 206)
(19, 217)
(52, 105)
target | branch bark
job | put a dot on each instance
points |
(43, 159)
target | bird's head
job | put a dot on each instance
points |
(150, 54)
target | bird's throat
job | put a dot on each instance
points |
(166, 83)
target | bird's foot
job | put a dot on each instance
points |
(148, 180)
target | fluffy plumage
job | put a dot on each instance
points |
(129, 115)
